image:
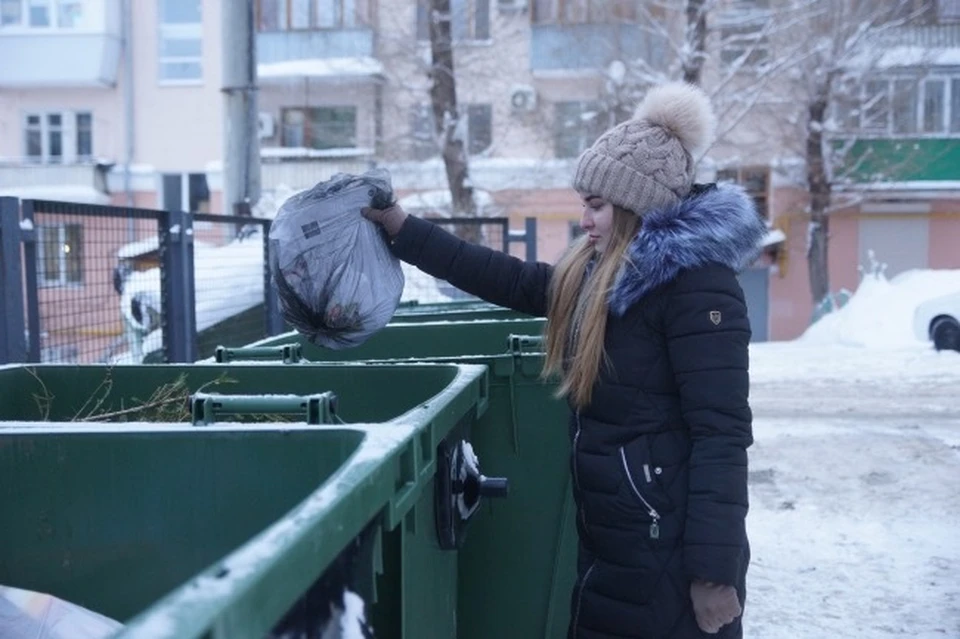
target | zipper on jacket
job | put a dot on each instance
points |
(576, 442)
(583, 584)
(576, 474)
(655, 525)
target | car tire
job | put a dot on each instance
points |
(945, 332)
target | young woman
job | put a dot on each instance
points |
(647, 331)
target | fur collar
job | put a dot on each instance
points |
(715, 224)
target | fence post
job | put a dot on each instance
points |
(13, 347)
(31, 280)
(530, 234)
(271, 302)
(177, 287)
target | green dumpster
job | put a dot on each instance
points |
(408, 340)
(517, 563)
(211, 518)
(453, 311)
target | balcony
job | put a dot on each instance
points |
(41, 42)
(592, 46)
(904, 161)
(281, 46)
(70, 182)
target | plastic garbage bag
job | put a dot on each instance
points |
(337, 280)
(25, 614)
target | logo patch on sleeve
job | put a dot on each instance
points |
(715, 317)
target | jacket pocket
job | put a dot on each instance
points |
(642, 498)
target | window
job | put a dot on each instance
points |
(180, 41)
(44, 14)
(84, 136)
(185, 192)
(876, 106)
(909, 107)
(319, 127)
(584, 11)
(745, 42)
(904, 106)
(284, 15)
(948, 10)
(479, 130)
(59, 137)
(577, 125)
(954, 118)
(60, 255)
(933, 106)
(755, 181)
(69, 13)
(38, 12)
(471, 19)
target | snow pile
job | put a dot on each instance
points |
(880, 313)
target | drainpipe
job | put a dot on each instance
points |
(127, 26)
(241, 148)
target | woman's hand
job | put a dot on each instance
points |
(391, 219)
(715, 605)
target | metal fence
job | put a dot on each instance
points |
(86, 283)
(493, 232)
(102, 284)
(74, 308)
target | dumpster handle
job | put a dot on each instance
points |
(287, 353)
(316, 409)
(516, 344)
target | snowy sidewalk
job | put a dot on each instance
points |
(855, 493)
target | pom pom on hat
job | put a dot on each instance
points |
(684, 110)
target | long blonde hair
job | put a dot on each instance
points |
(577, 311)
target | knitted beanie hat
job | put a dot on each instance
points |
(647, 162)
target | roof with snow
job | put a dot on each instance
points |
(331, 68)
(59, 193)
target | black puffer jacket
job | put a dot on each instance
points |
(660, 461)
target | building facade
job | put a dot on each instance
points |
(112, 101)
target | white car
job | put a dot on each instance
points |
(938, 319)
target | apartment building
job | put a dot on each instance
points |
(120, 101)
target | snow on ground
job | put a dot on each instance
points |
(854, 475)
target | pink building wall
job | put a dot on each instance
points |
(945, 235)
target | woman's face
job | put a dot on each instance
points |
(597, 221)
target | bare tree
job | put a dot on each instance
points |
(716, 44)
(841, 39)
(450, 126)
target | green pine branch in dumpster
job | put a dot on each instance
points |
(168, 403)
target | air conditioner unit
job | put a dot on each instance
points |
(511, 6)
(523, 98)
(266, 125)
